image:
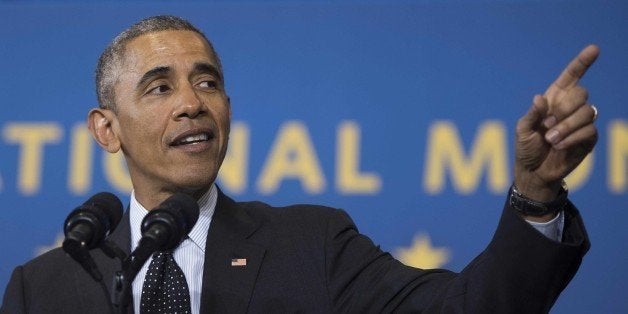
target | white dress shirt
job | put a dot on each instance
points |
(190, 254)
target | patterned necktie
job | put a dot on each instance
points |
(165, 289)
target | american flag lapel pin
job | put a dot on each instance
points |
(236, 262)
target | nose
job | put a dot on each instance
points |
(188, 104)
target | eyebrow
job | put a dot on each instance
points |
(152, 73)
(203, 67)
(199, 67)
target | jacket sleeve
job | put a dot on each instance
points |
(521, 271)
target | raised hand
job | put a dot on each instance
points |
(557, 133)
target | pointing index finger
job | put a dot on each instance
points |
(577, 67)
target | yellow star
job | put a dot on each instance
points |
(422, 254)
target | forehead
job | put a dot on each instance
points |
(166, 48)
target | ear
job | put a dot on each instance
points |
(101, 123)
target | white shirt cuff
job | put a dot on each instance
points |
(552, 229)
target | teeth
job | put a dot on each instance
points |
(194, 138)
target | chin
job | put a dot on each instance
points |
(192, 180)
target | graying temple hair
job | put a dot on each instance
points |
(110, 61)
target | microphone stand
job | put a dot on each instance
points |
(79, 252)
(131, 265)
(113, 251)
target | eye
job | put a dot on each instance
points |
(158, 89)
(208, 84)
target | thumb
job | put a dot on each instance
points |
(534, 117)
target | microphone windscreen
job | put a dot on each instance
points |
(167, 224)
(109, 204)
(184, 207)
(89, 224)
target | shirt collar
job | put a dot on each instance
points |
(198, 235)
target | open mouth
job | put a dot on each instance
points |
(190, 138)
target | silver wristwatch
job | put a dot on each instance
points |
(528, 207)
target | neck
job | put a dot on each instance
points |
(150, 198)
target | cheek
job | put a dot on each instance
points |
(138, 132)
(222, 115)
(225, 126)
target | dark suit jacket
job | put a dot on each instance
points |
(311, 259)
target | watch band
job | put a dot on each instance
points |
(529, 207)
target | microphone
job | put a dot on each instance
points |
(163, 228)
(88, 225)
(167, 224)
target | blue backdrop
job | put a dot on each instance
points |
(402, 113)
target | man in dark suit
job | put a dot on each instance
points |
(163, 103)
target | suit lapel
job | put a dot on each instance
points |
(232, 261)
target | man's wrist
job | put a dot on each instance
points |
(536, 188)
(534, 210)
